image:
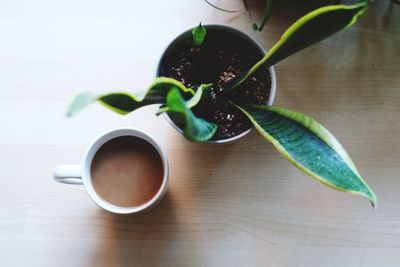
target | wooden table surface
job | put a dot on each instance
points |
(234, 205)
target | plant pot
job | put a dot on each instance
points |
(218, 29)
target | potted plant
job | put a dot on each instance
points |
(224, 54)
(299, 138)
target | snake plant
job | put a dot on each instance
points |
(300, 139)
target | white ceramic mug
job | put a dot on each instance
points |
(80, 174)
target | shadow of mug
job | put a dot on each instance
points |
(136, 240)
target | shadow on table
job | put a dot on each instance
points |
(134, 240)
(202, 178)
(218, 172)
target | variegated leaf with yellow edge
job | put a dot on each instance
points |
(310, 147)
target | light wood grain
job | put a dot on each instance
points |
(235, 205)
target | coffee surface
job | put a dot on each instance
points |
(127, 171)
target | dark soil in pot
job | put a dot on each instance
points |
(222, 56)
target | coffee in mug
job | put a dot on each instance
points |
(124, 171)
(127, 171)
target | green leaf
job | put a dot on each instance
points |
(196, 129)
(125, 102)
(310, 147)
(310, 29)
(267, 15)
(80, 101)
(192, 102)
(199, 34)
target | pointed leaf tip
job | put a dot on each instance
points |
(306, 31)
(373, 200)
(125, 102)
(310, 147)
(198, 35)
(80, 101)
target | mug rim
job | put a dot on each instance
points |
(87, 163)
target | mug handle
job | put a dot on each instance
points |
(68, 174)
